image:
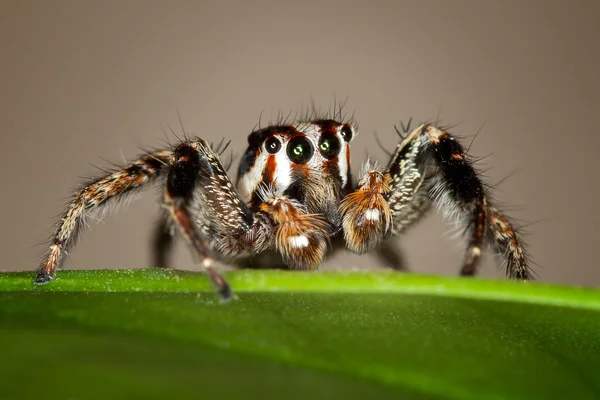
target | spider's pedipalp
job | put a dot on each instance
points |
(301, 238)
(366, 215)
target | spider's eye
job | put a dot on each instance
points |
(347, 133)
(329, 145)
(272, 145)
(300, 150)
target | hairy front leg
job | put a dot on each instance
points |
(92, 198)
(431, 167)
(208, 211)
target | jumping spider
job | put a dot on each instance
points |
(294, 193)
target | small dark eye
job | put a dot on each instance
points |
(347, 133)
(329, 145)
(300, 150)
(273, 145)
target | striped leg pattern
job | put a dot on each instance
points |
(198, 196)
(430, 167)
(93, 198)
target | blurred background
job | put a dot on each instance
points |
(84, 82)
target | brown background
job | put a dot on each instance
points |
(81, 81)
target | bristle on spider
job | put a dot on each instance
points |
(301, 238)
(366, 215)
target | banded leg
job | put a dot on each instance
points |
(93, 197)
(458, 191)
(177, 205)
(187, 165)
(506, 244)
(454, 186)
(203, 203)
(430, 166)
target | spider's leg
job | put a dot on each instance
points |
(177, 205)
(162, 241)
(432, 166)
(93, 197)
(187, 172)
(391, 255)
(506, 243)
(209, 212)
(429, 166)
(408, 195)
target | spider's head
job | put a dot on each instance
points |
(307, 161)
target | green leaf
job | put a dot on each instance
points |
(164, 334)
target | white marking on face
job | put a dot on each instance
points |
(282, 178)
(298, 242)
(283, 171)
(372, 214)
(343, 161)
(249, 182)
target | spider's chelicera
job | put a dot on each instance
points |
(294, 193)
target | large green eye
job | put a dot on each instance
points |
(329, 146)
(300, 150)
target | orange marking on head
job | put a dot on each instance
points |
(348, 156)
(269, 171)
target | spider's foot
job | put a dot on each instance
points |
(523, 275)
(220, 283)
(225, 293)
(469, 267)
(42, 278)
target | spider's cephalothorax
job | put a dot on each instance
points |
(308, 163)
(294, 193)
